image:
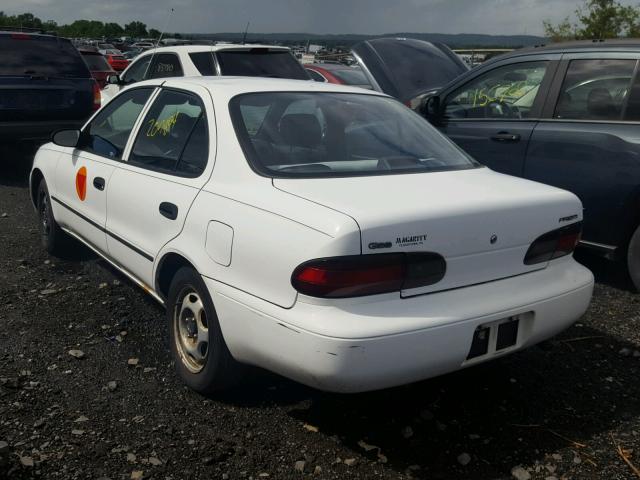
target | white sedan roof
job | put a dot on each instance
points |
(232, 86)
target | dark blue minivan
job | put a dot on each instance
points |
(566, 115)
(45, 86)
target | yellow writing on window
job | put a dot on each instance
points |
(481, 98)
(162, 127)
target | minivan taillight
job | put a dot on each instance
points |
(97, 98)
(360, 275)
(554, 244)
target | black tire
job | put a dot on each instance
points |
(189, 309)
(53, 238)
(633, 259)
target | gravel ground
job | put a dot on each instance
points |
(552, 412)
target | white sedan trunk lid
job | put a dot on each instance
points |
(480, 221)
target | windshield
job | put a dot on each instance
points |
(260, 62)
(23, 54)
(311, 134)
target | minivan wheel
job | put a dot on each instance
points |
(202, 358)
(633, 259)
(53, 238)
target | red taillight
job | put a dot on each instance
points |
(21, 36)
(97, 97)
(359, 275)
(554, 244)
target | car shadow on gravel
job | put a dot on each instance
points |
(514, 411)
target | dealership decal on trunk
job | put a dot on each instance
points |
(411, 241)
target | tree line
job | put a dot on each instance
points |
(597, 20)
(80, 28)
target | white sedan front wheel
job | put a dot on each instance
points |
(54, 239)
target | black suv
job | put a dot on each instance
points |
(44, 86)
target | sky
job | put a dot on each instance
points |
(496, 17)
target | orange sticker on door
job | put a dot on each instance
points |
(81, 183)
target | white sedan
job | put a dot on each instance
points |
(326, 233)
(207, 60)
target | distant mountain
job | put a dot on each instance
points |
(462, 40)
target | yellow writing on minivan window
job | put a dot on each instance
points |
(481, 97)
(162, 127)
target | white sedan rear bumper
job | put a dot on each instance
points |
(374, 343)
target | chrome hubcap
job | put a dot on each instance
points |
(191, 330)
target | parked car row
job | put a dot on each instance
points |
(46, 84)
(209, 60)
(471, 264)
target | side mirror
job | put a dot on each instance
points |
(66, 138)
(114, 80)
(430, 108)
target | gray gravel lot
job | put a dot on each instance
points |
(567, 409)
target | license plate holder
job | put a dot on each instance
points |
(494, 337)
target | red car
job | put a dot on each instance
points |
(98, 66)
(338, 73)
(117, 62)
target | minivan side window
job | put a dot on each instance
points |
(137, 71)
(507, 92)
(595, 89)
(173, 137)
(108, 132)
(165, 65)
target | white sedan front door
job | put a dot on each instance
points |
(83, 174)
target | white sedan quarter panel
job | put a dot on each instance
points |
(267, 247)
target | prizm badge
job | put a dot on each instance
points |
(567, 219)
(379, 245)
(411, 241)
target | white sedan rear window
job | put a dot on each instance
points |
(336, 134)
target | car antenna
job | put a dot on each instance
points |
(166, 25)
(246, 30)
